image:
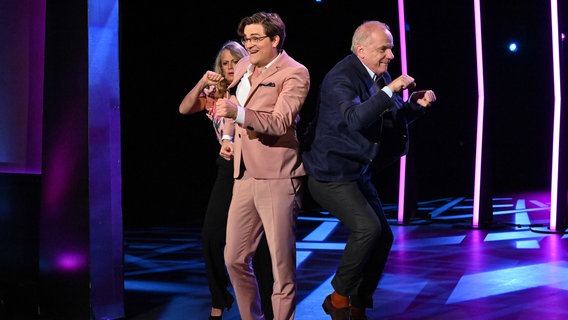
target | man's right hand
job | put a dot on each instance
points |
(401, 83)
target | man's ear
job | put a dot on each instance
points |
(360, 52)
(275, 41)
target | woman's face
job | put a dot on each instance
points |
(228, 63)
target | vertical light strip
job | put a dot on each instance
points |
(404, 69)
(557, 113)
(480, 112)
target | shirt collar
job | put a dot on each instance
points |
(371, 73)
(250, 67)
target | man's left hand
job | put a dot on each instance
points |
(424, 98)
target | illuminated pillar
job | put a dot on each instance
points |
(482, 198)
(81, 256)
(406, 192)
(558, 201)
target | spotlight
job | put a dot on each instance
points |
(513, 47)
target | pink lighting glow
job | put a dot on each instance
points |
(71, 261)
(480, 112)
(402, 178)
(557, 113)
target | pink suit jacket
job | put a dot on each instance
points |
(268, 134)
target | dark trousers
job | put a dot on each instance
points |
(213, 236)
(357, 205)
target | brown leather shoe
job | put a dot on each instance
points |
(335, 313)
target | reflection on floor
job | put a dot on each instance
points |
(439, 267)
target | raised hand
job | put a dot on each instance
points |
(212, 78)
(402, 82)
(424, 97)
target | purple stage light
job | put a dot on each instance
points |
(71, 261)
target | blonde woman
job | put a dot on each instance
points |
(202, 97)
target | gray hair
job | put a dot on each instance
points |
(363, 32)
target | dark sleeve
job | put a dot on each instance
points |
(357, 108)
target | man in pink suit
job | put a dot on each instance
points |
(271, 88)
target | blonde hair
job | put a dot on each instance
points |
(237, 51)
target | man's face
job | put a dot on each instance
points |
(377, 53)
(260, 47)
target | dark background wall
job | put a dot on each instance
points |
(168, 159)
(519, 90)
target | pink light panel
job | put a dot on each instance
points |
(480, 113)
(404, 69)
(557, 113)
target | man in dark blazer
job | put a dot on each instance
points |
(271, 88)
(357, 101)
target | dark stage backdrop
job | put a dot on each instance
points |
(168, 159)
(520, 96)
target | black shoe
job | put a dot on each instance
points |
(335, 313)
(358, 313)
(215, 317)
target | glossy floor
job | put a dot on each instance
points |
(439, 267)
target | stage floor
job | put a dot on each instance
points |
(439, 268)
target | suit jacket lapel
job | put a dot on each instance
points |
(242, 68)
(255, 83)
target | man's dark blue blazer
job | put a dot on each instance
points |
(344, 138)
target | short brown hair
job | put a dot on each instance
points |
(272, 23)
